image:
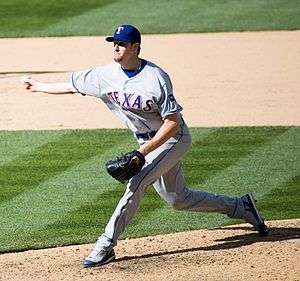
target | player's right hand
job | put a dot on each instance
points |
(29, 83)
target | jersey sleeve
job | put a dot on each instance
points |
(167, 104)
(87, 82)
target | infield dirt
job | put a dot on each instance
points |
(228, 253)
(224, 79)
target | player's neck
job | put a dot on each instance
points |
(132, 64)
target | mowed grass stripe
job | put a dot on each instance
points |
(156, 17)
(283, 201)
(49, 203)
(85, 224)
(96, 17)
(13, 144)
(269, 168)
(52, 159)
(223, 148)
(270, 165)
(51, 200)
(30, 17)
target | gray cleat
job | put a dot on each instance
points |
(252, 215)
(99, 257)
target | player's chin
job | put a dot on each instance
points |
(118, 59)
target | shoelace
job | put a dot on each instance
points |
(247, 206)
(96, 253)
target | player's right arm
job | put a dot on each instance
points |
(33, 85)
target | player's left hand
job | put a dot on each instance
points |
(126, 166)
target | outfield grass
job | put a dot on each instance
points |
(19, 18)
(54, 189)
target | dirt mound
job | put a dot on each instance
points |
(227, 253)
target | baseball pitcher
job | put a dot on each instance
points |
(140, 93)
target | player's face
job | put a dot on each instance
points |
(124, 51)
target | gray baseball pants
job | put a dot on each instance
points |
(163, 170)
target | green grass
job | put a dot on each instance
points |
(54, 189)
(19, 18)
(283, 201)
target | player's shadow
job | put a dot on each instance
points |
(230, 242)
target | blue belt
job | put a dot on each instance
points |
(146, 136)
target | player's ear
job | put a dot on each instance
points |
(137, 47)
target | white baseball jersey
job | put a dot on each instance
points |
(141, 102)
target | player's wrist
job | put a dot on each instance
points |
(48, 87)
(143, 150)
(39, 87)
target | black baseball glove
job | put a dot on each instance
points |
(125, 167)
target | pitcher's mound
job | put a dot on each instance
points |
(227, 253)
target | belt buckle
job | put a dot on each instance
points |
(146, 136)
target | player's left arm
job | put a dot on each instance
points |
(168, 129)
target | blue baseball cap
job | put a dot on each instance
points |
(125, 33)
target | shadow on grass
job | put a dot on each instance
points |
(231, 242)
